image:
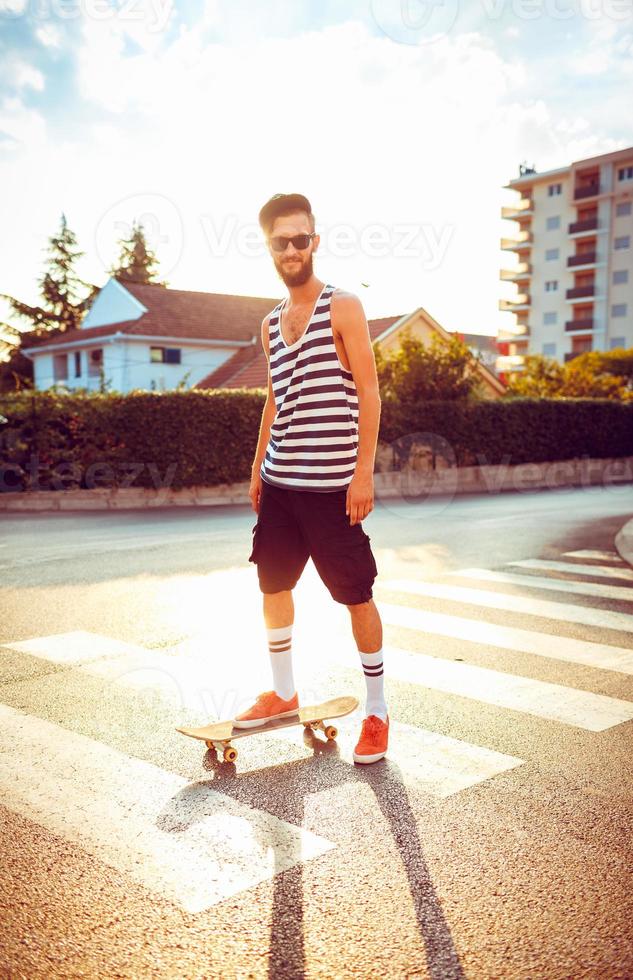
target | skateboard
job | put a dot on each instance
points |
(219, 735)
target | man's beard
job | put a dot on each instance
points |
(297, 276)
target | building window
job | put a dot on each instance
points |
(625, 173)
(60, 367)
(623, 241)
(620, 275)
(551, 254)
(618, 309)
(164, 355)
(95, 362)
(549, 318)
(551, 285)
(549, 350)
(77, 364)
(622, 209)
(616, 342)
(553, 222)
(554, 189)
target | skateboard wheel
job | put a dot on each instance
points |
(307, 726)
(209, 744)
(331, 732)
(230, 754)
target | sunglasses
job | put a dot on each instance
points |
(280, 243)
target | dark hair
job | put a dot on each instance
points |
(283, 204)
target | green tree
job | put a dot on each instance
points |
(593, 374)
(137, 262)
(444, 370)
(62, 307)
(60, 287)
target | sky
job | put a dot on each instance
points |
(400, 120)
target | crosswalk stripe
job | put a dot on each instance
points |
(201, 685)
(191, 844)
(568, 649)
(596, 589)
(597, 555)
(434, 763)
(554, 702)
(599, 571)
(76, 647)
(509, 602)
(440, 765)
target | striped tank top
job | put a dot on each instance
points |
(314, 435)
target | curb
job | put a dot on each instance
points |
(624, 542)
(410, 486)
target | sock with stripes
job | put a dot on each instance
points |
(280, 650)
(373, 670)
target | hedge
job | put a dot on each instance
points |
(206, 438)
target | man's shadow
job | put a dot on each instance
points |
(294, 781)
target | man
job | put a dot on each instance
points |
(312, 477)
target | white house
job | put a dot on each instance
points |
(151, 338)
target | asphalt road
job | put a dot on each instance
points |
(495, 840)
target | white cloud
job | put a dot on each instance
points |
(375, 133)
(49, 35)
(25, 126)
(19, 74)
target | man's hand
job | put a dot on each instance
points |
(255, 491)
(360, 497)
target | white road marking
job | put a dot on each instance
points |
(187, 842)
(597, 555)
(596, 589)
(599, 571)
(510, 602)
(583, 709)
(200, 684)
(76, 647)
(599, 655)
(436, 764)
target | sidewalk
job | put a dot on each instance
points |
(410, 485)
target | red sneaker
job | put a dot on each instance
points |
(267, 707)
(372, 744)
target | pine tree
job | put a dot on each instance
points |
(59, 287)
(137, 262)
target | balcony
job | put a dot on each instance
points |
(524, 239)
(587, 190)
(509, 362)
(521, 209)
(582, 323)
(520, 271)
(578, 292)
(587, 224)
(515, 334)
(582, 258)
(519, 302)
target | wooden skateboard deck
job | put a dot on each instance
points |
(220, 734)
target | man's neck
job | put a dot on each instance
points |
(307, 293)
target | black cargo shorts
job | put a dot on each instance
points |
(294, 525)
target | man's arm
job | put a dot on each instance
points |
(350, 323)
(268, 416)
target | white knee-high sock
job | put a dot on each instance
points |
(374, 678)
(280, 650)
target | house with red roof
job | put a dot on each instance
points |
(148, 337)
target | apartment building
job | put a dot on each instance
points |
(569, 279)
